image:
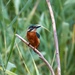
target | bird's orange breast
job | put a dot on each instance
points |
(33, 39)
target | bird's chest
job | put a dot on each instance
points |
(32, 37)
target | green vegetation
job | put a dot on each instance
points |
(16, 16)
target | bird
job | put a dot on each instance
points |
(32, 36)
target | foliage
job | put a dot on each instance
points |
(16, 16)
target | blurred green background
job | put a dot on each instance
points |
(16, 16)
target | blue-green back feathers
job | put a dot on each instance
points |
(37, 35)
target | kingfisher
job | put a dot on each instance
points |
(32, 36)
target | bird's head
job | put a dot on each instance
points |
(33, 28)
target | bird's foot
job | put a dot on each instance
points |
(28, 44)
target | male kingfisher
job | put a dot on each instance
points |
(33, 36)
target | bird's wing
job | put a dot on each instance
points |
(37, 35)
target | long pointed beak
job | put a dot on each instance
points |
(37, 26)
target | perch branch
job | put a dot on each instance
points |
(55, 37)
(39, 53)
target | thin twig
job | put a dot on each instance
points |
(55, 37)
(39, 53)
